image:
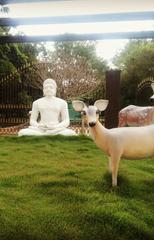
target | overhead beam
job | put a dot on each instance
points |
(4, 2)
(108, 17)
(77, 37)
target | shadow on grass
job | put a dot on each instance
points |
(106, 184)
(62, 191)
(60, 138)
(50, 184)
(125, 188)
(100, 223)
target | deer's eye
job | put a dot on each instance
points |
(83, 112)
(97, 112)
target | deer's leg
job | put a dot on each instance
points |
(115, 166)
(110, 164)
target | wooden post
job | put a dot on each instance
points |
(113, 95)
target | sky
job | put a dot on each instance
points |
(105, 48)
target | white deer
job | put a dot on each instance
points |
(126, 142)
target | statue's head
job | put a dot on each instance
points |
(49, 87)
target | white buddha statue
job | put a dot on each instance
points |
(52, 113)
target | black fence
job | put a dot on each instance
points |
(16, 98)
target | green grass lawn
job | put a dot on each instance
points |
(59, 188)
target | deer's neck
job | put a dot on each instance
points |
(100, 136)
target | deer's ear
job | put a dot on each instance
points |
(101, 104)
(78, 105)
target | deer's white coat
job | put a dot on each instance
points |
(126, 142)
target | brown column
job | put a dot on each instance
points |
(113, 95)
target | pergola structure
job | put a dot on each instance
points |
(94, 11)
(66, 12)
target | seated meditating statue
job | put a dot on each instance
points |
(52, 113)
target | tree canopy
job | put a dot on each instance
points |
(75, 67)
(136, 62)
(14, 56)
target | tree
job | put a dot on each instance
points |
(13, 58)
(75, 67)
(137, 63)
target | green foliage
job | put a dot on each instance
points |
(24, 97)
(14, 56)
(6, 67)
(59, 188)
(30, 51)
(137, 63)
(77, 49)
